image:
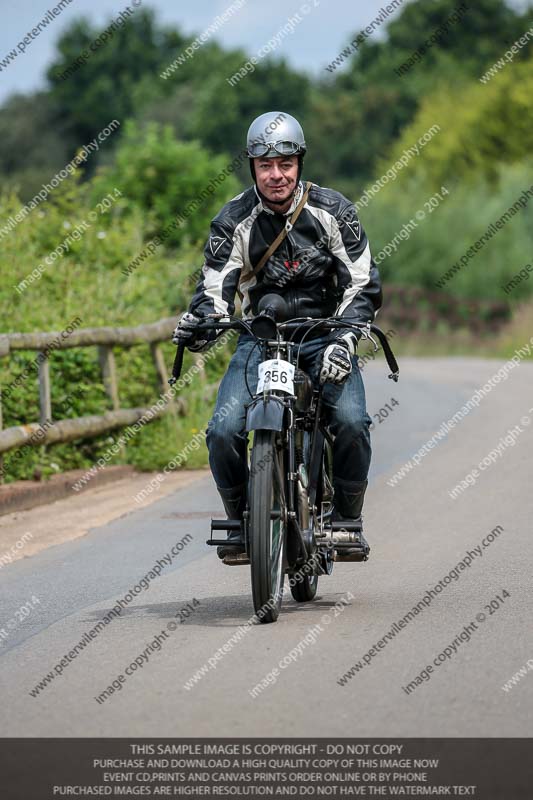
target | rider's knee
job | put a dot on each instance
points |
(220, 431)
(354, 427)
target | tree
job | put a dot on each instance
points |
(103, 86)
(383, 102)
(33, 144)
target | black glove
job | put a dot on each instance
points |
(186, 332)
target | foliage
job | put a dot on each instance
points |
(446, 234)
(492, 125)
(161, 177)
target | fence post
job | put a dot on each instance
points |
(45, 402)
(106, 358)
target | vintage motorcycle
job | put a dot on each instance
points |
(286, 527)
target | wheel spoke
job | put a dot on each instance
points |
(276, 543)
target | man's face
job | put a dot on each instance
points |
(276, 177)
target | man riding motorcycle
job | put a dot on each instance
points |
(323, 267)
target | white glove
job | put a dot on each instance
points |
(186, 332)
(336, 363)
(349, 340)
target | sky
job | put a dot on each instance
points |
(315, 41)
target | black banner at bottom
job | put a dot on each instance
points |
(486, 769)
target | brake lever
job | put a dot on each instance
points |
(366, 334)
(371, 338)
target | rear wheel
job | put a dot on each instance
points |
(303, 587)
(325, 505)
(325, 493)
(267, 526)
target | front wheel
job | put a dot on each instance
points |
(267, 526)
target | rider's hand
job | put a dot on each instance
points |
(350, 339)
(186, 332)
(336, 363)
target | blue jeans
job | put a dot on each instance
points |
(344, 409)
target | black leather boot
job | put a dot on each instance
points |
(348, 501)
(234, 501)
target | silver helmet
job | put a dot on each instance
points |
(275, 134)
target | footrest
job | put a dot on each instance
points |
(351, 551)
(350, 546)
(216, 542)
(339, 525)
(351, 557)
(226, 524)
(236, 560)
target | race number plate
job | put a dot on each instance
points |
(276, 374)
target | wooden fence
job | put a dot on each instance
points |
(105, 339)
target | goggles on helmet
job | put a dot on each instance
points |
(284, 148)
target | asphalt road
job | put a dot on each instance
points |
(418, 534)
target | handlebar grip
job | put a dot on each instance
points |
(178, 362)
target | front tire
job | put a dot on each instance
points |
(267, 526)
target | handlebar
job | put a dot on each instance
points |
(214, 323)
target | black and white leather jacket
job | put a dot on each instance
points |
(322, 268)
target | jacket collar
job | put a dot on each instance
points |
(295, 200)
